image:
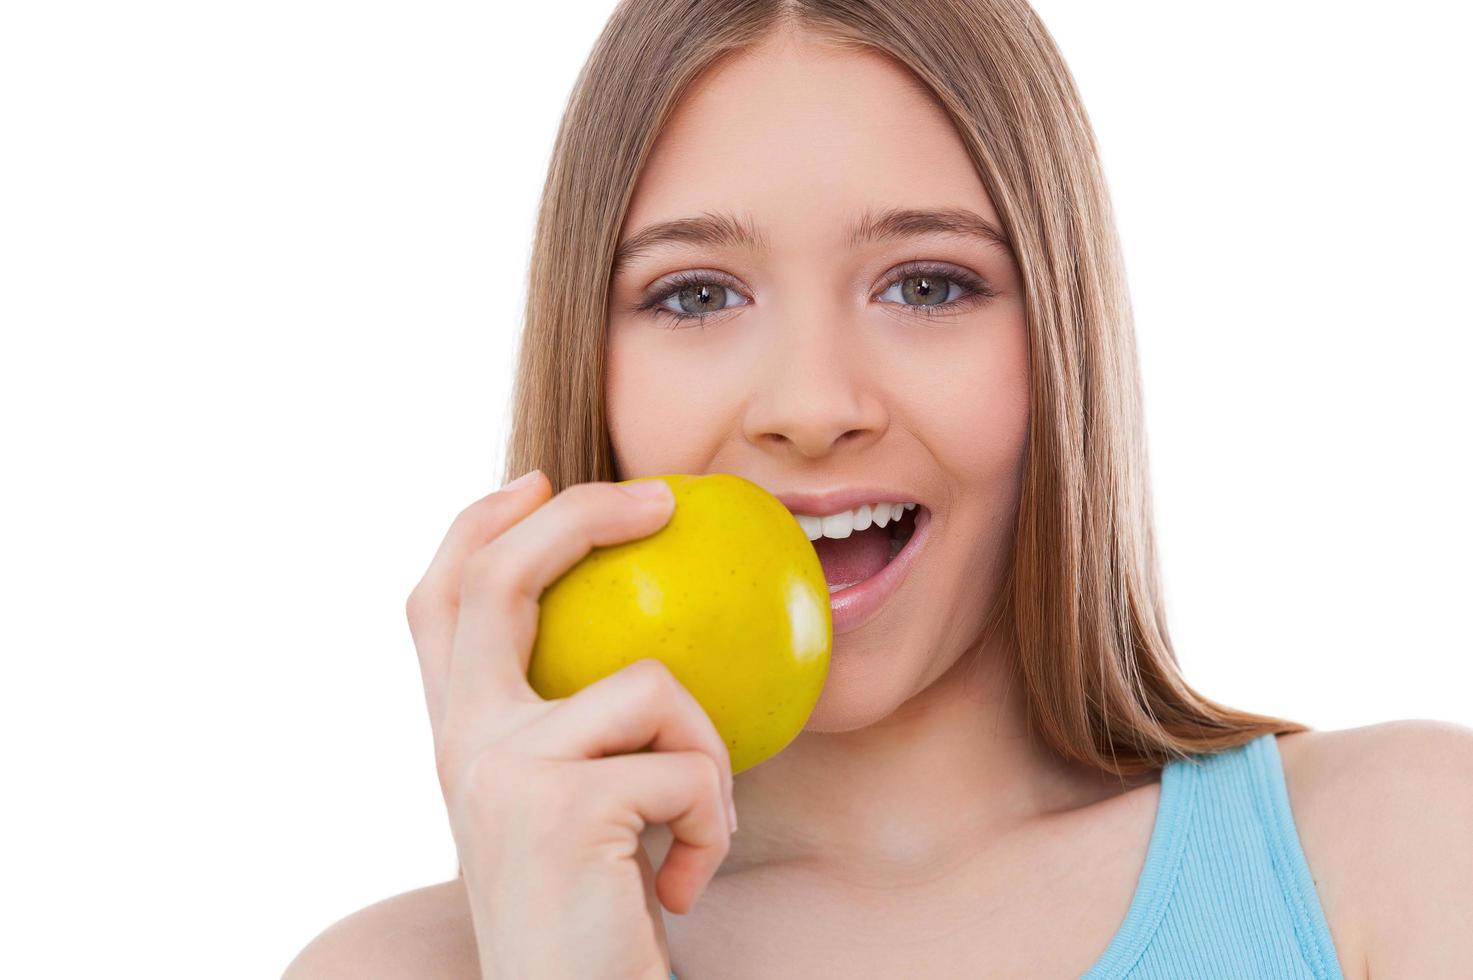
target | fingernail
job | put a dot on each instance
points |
(648, 490)
(522, 480)
(731, 812)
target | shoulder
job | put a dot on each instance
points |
(422, 933)
(1385, 818)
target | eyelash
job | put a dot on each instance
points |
(977, 289)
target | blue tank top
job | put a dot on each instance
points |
(1225, 890)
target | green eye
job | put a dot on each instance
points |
(704, 298)
(698, 296)
(925, 288)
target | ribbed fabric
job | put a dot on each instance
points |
(1225, 892)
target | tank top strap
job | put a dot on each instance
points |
(1290, 866)
(1225, 891)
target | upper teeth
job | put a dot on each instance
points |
(843, 524)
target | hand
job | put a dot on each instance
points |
(547, 799)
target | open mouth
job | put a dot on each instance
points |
(864, 554)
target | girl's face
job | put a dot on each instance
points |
(815, 359)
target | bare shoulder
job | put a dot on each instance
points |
(425, 933)
(1385, 817)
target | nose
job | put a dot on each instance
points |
(816, 391)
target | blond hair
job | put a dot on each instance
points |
(1083, 597)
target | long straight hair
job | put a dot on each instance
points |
(1083, 597)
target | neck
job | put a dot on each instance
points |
(909, 798)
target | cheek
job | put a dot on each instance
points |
(974, 413)
(665, 409)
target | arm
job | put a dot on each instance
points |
(1385, 814)
(425, 933)
(1417, 868)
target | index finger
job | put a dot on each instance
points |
(434, 604)
(504, 580)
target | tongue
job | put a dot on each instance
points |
(847, 561)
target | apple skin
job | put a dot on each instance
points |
(729, 594)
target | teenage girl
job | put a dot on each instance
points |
(860, 252)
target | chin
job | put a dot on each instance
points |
(863, 687)
(871, 686)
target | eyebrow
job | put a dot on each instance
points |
(720, 228)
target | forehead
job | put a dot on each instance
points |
(802, 136)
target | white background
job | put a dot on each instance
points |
(261, 274)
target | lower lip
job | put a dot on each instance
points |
(854, 606)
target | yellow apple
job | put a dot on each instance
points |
(729, 594)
